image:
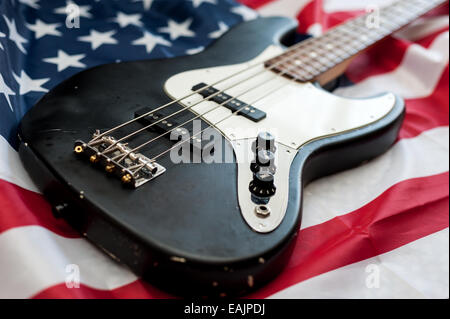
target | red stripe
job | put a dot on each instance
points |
(255, 4)
(21, 207)
(375, 61)
(135, 290)
(313, 13)
(429, 112)
(441, 10)
(406, 212)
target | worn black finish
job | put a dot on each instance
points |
(191, 212)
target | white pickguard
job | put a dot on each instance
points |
(296, 114)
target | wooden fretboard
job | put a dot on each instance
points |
(311, 59)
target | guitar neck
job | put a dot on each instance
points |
(323, 58)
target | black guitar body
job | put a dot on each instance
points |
(183, 231)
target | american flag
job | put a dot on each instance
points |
(377, 231)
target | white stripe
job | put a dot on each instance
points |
(11, 168)
(34, 258)
(416, 77)
(416, 270)
(423, 27)
(287, 8)
(342, 193)
(331, 6)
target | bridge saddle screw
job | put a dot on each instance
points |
(110, 168)
(93, 159)
(79, 149)
(126, 178)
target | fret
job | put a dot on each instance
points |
(317, 57)
(405, 13)
(348, 31)
(318, 66)
(314, 56)
(359, 46)
(376, 35)
(306, 65)
(387, 26)
(396, 12)
(327, 59)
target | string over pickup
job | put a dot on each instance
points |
(235, 105)
(133, 169)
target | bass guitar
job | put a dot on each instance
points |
(190, 170)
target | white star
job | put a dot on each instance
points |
(150, 41)
(14, 35)
(27, 84)
(63, 60)
(41, 28)
(177, 30)
(198, 3)
(31, 3)
(126, 19)
(82, 11)
(6, 91)
(217, 34)
(2, 35)
(147, 3)
(97, 39)
(246, 13)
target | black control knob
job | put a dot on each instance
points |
(264, 148)
(265, 141)
(262, 185)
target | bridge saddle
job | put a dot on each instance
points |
(133, 169)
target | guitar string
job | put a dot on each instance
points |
(220, 121)
(277, 76)
(291, 49)
(288, 51)
(186, 108)
(215, 124)
(306, 42)
(121, 157)
(111, 147)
